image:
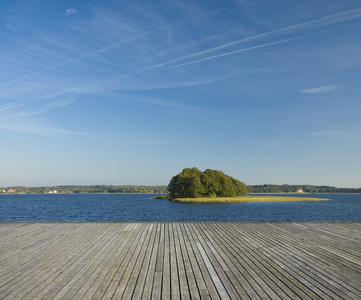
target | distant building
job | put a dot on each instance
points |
(299, 191)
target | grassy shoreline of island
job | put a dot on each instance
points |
(241, 199)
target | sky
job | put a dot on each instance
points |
(131, 92)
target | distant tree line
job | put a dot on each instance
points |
(125, 189)
(163, 189)
(285, 188)
(192, 183)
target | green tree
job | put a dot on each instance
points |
(192, 183)
(241, 188)
(186, 184)
(210, 183)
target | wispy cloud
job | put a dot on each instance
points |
(320, 90)
(328, 20)
(156, 101)
(20, 119)
(38, 129)
(236, 51)
(11, 28)
(335, 18)
(90, 54)
(42, 109)
(44, 97)
(106, 87)
(71, 11)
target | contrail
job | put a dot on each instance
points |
(35, 99)
(331, 19)
(54, 94)
(237, 51)
(20, 103)
(90, 54)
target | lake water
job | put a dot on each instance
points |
(142, 208)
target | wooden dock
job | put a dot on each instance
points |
(180, 261)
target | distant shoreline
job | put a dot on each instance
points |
(162, 189)
(86, 189)
(60, 193)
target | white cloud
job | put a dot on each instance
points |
(71, 11)
(320, 90)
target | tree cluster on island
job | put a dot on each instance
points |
(192, 183)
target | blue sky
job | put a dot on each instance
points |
(132, 92)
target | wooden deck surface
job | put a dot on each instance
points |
(180, 261)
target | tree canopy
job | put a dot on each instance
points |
(192, 183)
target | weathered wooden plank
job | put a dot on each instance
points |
(148, 287)
(265, 274)
(183, 284)
(50, 266)
(92, 279)
(97, 257)
(129, 268)
(253, 254)
(186, 254)
(224, 273)
(175, 286)
(99, 277)
(135, 274)
(278, 277)
(209, 290)
(261, 284)
(158, 275)
(290, 261)
(89, 253)
(180, 260)
(140, 285)
(166, 278)
(122, 267)
(199, 266)
(192, 251)
(295, 258)
(324, 259)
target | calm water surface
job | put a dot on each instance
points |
(142, 208)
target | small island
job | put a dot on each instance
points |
(243, 199)
(213, 186)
